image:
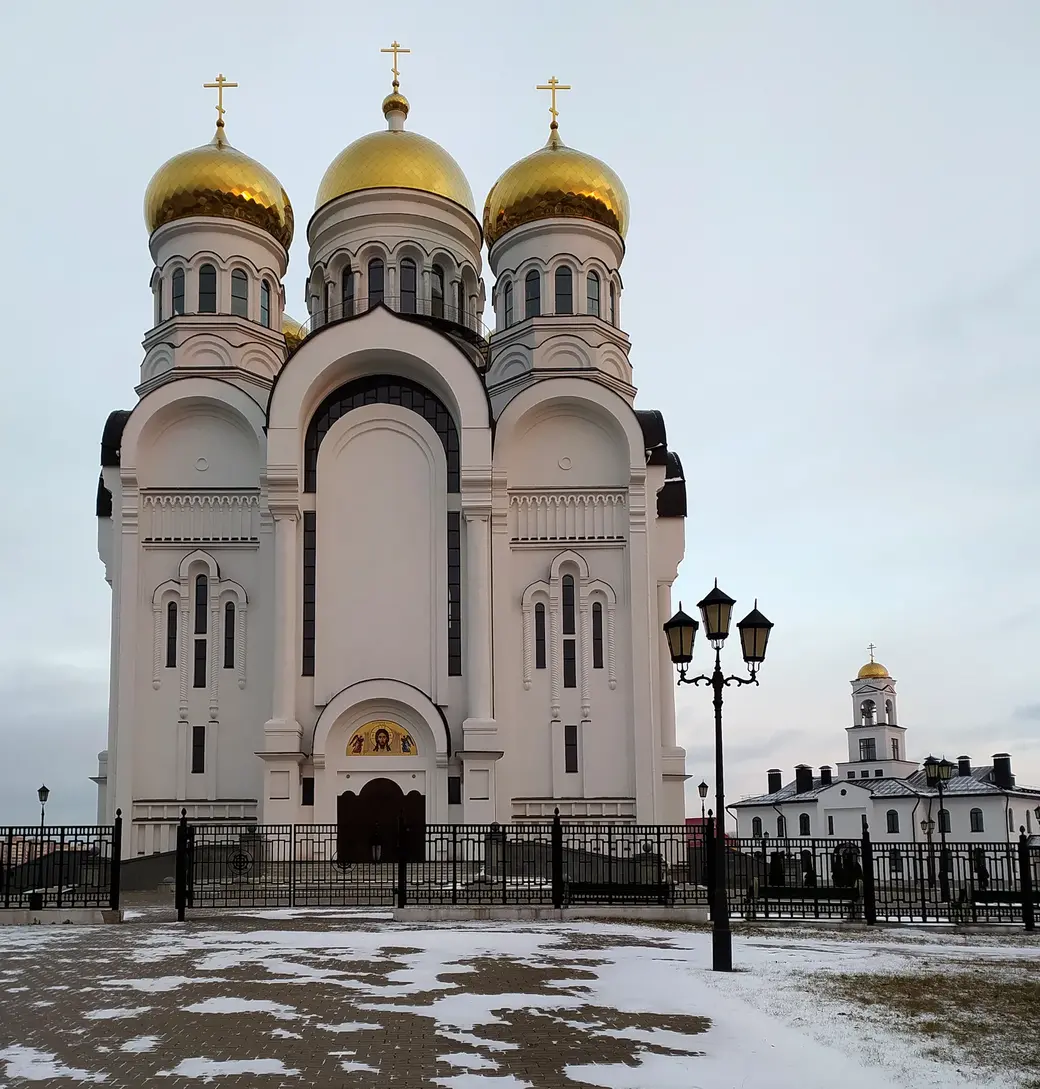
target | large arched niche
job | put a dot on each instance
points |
(377, 342)
(194, 433)
(569, 433)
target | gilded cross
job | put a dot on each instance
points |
(395, 48)
(220, 84)
(552, 87)
(872, 648)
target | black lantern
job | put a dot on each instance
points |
(44, 794)
(716, 611)
(680, 632)
(928, 827)
(754, 635)
(1036, 812)
(938, 771)
(702, 790)
(946, 770)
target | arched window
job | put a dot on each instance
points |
(592, 294)
(265, 304)
(944, 820)
(460, 303)
(532, 294)
(178, 291)
(756, 827)
(507, 294)
(803, 824)
(568, 604)
(564, 291)
(890, 716)
(597, 635)
(539, 636)
(347, 290)
(613, 304)
(199, 657)
(375, 282)
(977, 823)
(157, 300)
(239, 294)
(892, 819)
(895, 748)
(229, 635)
(570, 646)
(867, 711)
(407, 286)
(207, 290)
(171, 635)
(437, 292)
(781, 827)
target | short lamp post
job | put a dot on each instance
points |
(938, 773)
(36, 897)
(716, 612)
(928, 828)
(702, 790)
(1036, 813)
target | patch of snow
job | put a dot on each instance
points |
(130, 913)
(208, 1069)
(154, 986)
(478, 1081)
(111, 1015)
(476, 1041)
(349, 1067)
(140, 1044)
(468, 1061)
(349, 1026)
(243, 1005)
(284, 1034)
(33, 1065)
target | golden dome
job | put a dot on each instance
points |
(555, 181)
(218, 180)
(293, 332)
(872, 670)
(394, 158)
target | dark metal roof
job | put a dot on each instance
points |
(112, 437)
(104, 498)
(651, 421)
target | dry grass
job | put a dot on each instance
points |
(985, 1013)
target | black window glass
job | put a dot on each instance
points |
(781, 828)
(178, 291)
(407, 286)
(568, 604)
(198, 750)
(307, 790)
(532, 294)
(592, 295)
(892, 820)
(944, 820)
(207, 290)
(597, 635)
(201, 598)
(310, 538)
(508, 302)
(803, 824)
(347, 291)
(570, 749)
(437, 292)
(375, 282)
(976, 820)
(239, 294)
(454, 594)
(564, 290)
(570, 669)
(454, 790)
(265, 304)
(756, 827)
(229, 635)
(539, 636)
(199, 665)
(171, 635)
(613, 305)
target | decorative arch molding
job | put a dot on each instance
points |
(380, 696)
(569, 556)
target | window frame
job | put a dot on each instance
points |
(592, 301)
(265, 304)
(977, 819)
(570, 750)
(567, 606)
(177, 286)
(892, 822)
(172, 623)
(563, 290)
(409, 295)
(208, 270)
(507, 303)
(944, 823)
(570, 663)
(781, 827)
(230, 624)
(198, 750)
(756, 828)
(597, 635)
(804, 825)
(539, 635)
(867, 749)
(239, 300)
(376, 282)
(437, 291)
(346, 291)
(533, 294)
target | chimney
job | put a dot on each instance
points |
(776, 780)
(825, 776)
(802, 779)
(1002, 776)
(963, 765)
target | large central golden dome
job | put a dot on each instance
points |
(218, 180)
(555, 181)
(395, 159)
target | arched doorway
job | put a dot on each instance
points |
(380, 824)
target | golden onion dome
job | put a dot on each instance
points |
(293, 332)
(394, 158)
(873, 670)
(555, 181)
(218, 180)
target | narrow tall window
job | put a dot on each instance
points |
(867, 748)
(199, 656)
(890, 716)
(830, 825)
(157, 299)
(198, 750)
(454, 594)
(407, 286)
(307, 790)
(613, 305)
(895, 748)
(347, 291)
(570, 749)
(454, 790)
(597, 635)
(437, 292)
(1011, 820)
(229, 635)
(592, 294)
(532, 294)
(239, 294)
(803, 824)
(207, 290)
(178, 291)
(171, 635)
(944, 820)
(977, 823)
(570, 665)
(564, 290)
(756, 827)
(539, 636)
(375, 282)
(198, 679)
(507, 293)
(568, 604)
(892, 819)
(328, 315)
(781, 827)
(265, 304)
(310, 540)
(460, 303)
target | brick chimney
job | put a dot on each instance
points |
(963, 765)
(776, 780)
(802, 778)
(1002, 776)
(825, 776)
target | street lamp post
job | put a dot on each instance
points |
(928, 828)
(937, 773)
(36, 897)
(702, 790)
(716, 611)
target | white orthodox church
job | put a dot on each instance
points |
(387, 560)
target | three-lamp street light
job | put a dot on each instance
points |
(716, 612)
(937, 773)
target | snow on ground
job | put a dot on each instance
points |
(208, 1069)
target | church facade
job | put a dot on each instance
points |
(387, 559)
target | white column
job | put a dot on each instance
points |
(478, 613)
(666, 683)
(284, 687)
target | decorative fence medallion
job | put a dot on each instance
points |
(382, 738)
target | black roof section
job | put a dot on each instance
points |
(112, 437)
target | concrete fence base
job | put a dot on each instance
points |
(505, 914)
(59, 917)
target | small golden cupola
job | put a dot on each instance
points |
(395, 158)
(555, 181)
(218, 180)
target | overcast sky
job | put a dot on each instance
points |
(832, 286)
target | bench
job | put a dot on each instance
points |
(605, 892)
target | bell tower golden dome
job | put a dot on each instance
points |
(555, 181)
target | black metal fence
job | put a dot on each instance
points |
(66, 866)
(565, 864)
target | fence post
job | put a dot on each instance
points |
(181, 868)
(1025, 883)
(557, 859)
(8, 870)
(869, 900)
(402, 866)
(115, 861)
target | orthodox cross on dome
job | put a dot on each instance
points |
(871, 649)
(220, 83)
(552, 87)
(395, 48)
